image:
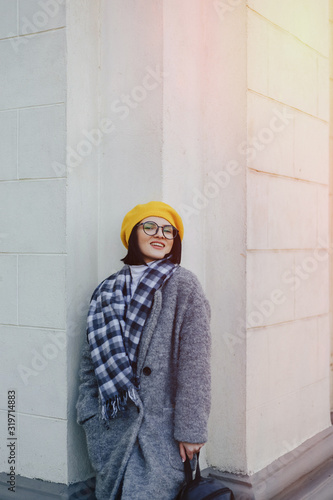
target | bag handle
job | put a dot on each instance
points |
(188, 470)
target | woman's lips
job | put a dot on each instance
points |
(157, 244)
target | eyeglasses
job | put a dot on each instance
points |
(151, 228)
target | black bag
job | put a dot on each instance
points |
(202, 488)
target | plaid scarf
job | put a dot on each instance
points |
(114, 326)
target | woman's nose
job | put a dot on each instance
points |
(159, 233)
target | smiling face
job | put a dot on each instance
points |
(154, 247)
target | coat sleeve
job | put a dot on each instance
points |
(87, 404)
(194, 374)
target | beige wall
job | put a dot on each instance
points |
(331, 188)
(287, 200)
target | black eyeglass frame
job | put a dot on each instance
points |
(175, 230)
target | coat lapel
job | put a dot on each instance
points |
(149, 329)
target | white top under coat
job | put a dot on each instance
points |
(136, 272)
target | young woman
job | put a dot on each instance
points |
(144, 395)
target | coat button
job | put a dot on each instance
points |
(146, 371)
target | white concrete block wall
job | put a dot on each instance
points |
(41, 286)
(33, 234)
(287, 292)
(47, 455)
(36, 354)
(290, 71)
(8, 288)
(34, 73)
(36, 15)
(313, 274)
(287, 227)
(284, 419)
(288, 219)
(42, 133)
(8, 23)
(281, 138)
(323, 88)
(331, 181)
(8, 148)
(35, 216)
(304, 19)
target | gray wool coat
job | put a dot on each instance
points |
(137, 456)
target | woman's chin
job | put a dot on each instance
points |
(154, 256)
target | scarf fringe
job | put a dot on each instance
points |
(111, 407)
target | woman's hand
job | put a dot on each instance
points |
(189, 449)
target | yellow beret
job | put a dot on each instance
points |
(153, 208)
